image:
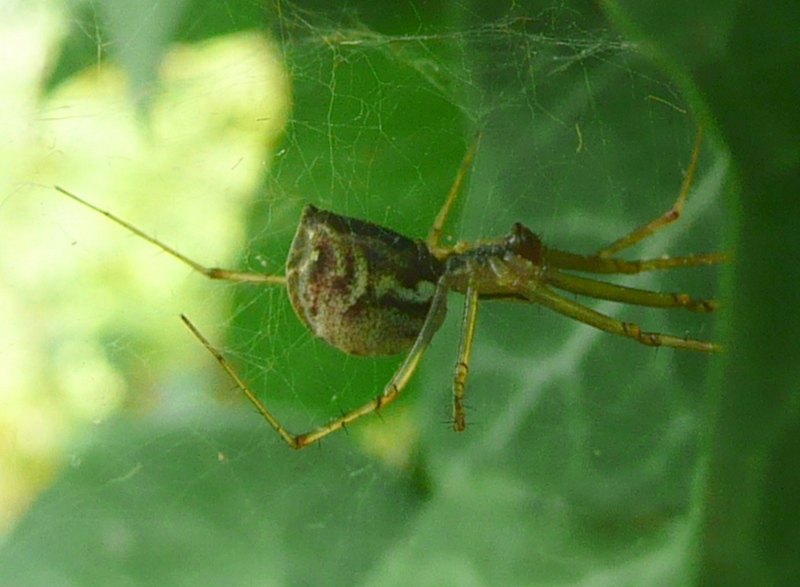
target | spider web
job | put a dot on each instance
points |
(580, 448)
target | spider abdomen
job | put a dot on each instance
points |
(361, 287)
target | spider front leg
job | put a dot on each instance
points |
(392, 389)
(210, 272)
(541, 294)
(603, 261)
(664, 219)
(627, 295)
(531, 282)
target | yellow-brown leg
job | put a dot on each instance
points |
(210, 272)
(392, 389)
(435, 234)
(594, 264)
(541, 294)
(627, 295)
(667, 217)
(468, 321)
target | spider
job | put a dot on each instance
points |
(368, 290)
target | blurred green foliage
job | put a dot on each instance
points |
(743, 77)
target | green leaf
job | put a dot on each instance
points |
(740, 64)
(583, 451)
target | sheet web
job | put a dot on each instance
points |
(578, 446)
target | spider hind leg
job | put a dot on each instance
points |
(390, 392)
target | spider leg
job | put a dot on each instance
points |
(210, 272)
(468, 321)
(290, 438)
(396, 385)
(596, 264)
(435, 233)
(627, 295)
(667, 217)
(541, 294)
